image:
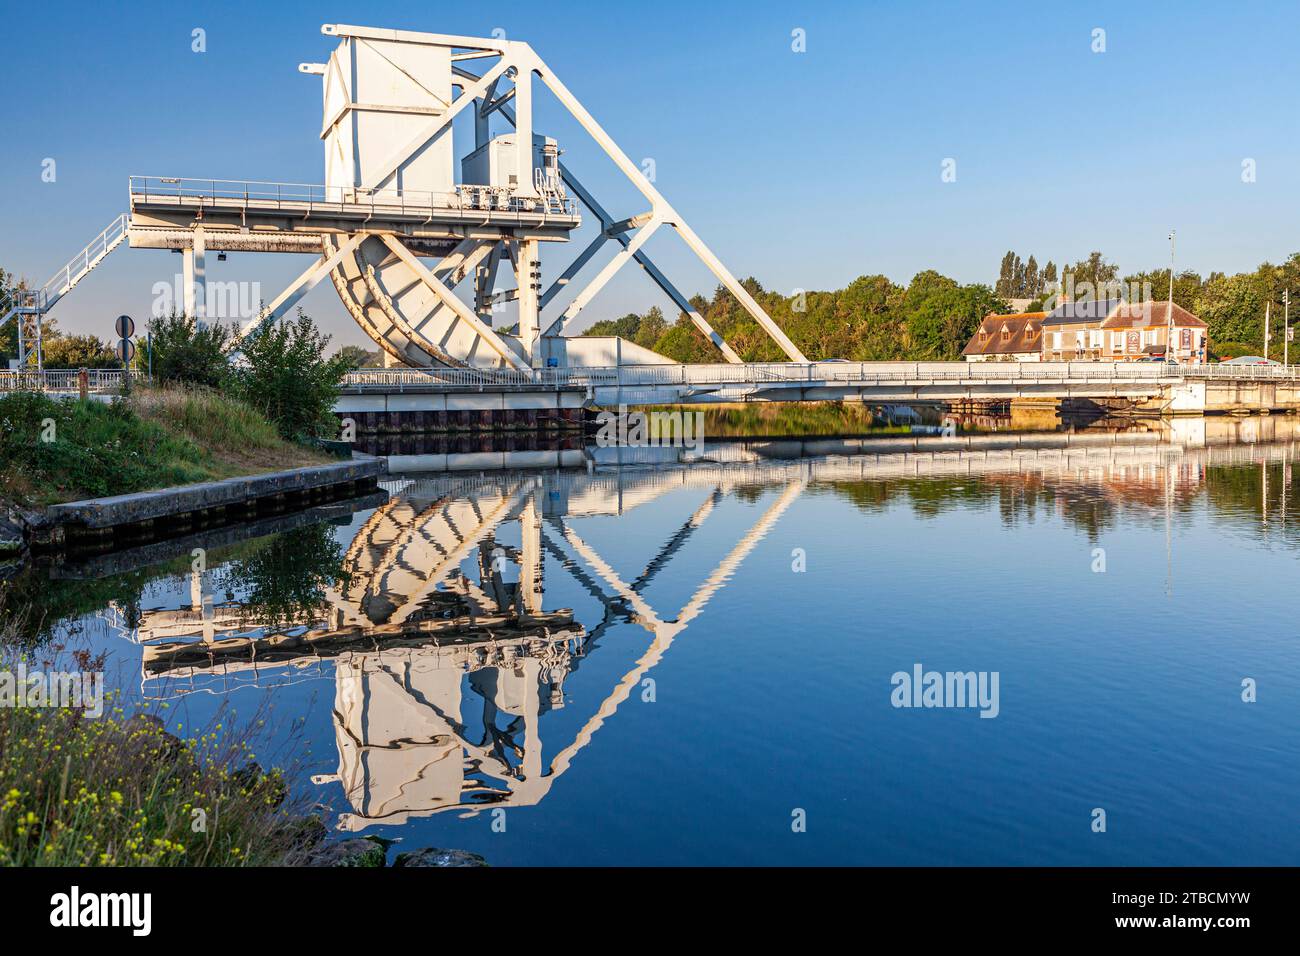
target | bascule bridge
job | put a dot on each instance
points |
(416, 231)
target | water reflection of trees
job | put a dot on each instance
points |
(279, 578)
(35, 606)
(1248, 497)
(282, 583)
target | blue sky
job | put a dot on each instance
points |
(802, 169)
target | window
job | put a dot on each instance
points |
(1056, 340)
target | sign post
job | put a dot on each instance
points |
(125, 328)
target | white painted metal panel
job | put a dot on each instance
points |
(381, 92)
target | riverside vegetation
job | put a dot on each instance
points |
(136, 786)
(203, 419)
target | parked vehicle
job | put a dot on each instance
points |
(1250, 360)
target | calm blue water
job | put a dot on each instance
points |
(705, 694)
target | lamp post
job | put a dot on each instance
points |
(1169, 325)
(1286, 327)
(1267, 306)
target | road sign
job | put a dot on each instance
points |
(124, 326)
(126, 351)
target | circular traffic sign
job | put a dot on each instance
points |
(126, 350)
(125, 327)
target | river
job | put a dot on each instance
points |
(662, 658)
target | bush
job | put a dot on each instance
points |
(288, 378)
(185, 353)
(79, 351)
(121, 791)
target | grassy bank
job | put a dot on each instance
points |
(63, 450)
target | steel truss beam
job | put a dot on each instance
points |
(663, 209)
(300, 286)
(642, 259)
(610, 231)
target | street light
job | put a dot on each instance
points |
(1286, 327)
(1169, 325)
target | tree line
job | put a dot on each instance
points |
(933, 316)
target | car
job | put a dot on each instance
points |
(1250, 360)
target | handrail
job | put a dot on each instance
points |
(465, 197)
(62, 380)
(64, 278)
(813, 373)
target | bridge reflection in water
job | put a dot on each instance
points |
(444, 658)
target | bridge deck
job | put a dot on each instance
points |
(1144, 376)
(816, 381)
(820, 381)
(164, 203)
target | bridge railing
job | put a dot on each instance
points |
(760, 374)
(271, 195)
(61, 380)
(1247, 372)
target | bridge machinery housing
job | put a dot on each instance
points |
(397, 231)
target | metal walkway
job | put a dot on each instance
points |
(32, 305)
(813, 381)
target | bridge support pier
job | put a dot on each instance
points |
(195, 277)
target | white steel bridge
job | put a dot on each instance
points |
(404, 218)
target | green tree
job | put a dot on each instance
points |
(356, 356)
(8, 330)
(288, 377)
(625, 327)
(1033, 280)
(1005, 286)
(1092, 275)
(1233, 308)
(1153, 286)
(186, 353)
(79, 351)
(941, 315)
(651, 328)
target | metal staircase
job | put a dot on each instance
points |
(31, 305)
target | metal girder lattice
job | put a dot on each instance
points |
(519, 63)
